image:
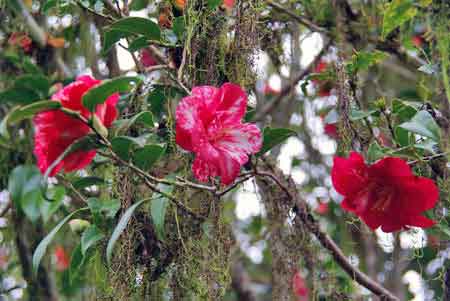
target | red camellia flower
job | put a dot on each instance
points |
(62, 260)
(208, 123)
(385, 194)
(299, 287)
(322, 208)
(147, 59)
(331, 130)
(20, 39)
(55, 130)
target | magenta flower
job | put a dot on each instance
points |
(209, 123)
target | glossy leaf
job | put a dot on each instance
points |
(100, 93)
(396, 13)
(42, 247)
(120, 227)
(273, 137)
(158, 209)
(145, 157)
(90, 237)
(423, 124)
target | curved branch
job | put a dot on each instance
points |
(302, 213)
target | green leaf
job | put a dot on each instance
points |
(396, 13)
(213, 4)
(403, 110)
(120, 227)
(19, 113)
(138, 43)
(130, 26)
(42, 247)
(138, 4)
(30, 110)
(179, 27)
(423, 124)
(49, 208)
(37, 83)
(123, 146)
(24, 186)
(428, 145)
(82, 183)
(156, 99)
(362, 60)
(17, 96)
(76, 262)
(158, 209)
(375, 152)
(145, 157)
(90, 237)
(145, 117)
(100, 93)
(273, 137)
(110, 37)
(108, 207)
(137, 25)
(359, 114)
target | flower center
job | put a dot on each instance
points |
(383, 198)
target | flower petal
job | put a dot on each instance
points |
(349, 176)
(421, 221)
(107, 112)
(389, 169)
(189, 127)
(54, 132)
(237, 140)
(203, 170)
(418, 194)
(229, 169)
(233, 103)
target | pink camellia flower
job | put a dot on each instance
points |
(228, 3)
(55, 130)
(299, 287)
(208, 123)
(385, 193)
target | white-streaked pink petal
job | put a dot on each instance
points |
(238, 141)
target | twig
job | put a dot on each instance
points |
(232, 186)
(428, 158)
(300, 19)
(325, 240)
(289, 87)
(5, 209)
(155, 68)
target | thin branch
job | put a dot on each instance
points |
(300, 19)
(232, 186)
(6, 209)
(325, 240)
(268, 108)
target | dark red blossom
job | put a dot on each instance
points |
(385, 193)
(209, 123)
(331, 130)
(55, 130)
(147, 58)
(299, 287)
